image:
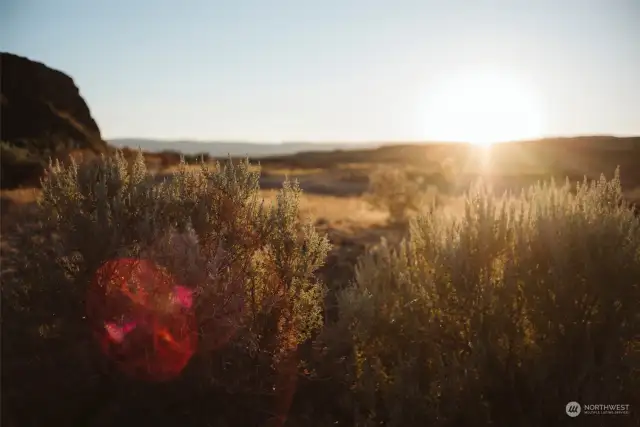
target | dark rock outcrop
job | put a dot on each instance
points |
(43, 115)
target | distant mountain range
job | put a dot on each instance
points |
(251, 149)
(235, 149)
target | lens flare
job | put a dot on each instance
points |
(117, 333)
(143, 320)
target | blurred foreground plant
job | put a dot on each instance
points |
(251, 268)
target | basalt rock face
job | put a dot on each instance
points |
(43, 115)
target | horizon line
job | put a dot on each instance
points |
(362, 142)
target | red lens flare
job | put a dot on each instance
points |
(143, 320)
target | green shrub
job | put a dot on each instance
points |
(500, 317)
(394, 190)
(251, 267)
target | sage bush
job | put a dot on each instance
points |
(498, 317)
(251, 268)
(394, 190)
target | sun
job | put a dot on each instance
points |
(482, 108)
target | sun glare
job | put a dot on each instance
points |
(483, 108)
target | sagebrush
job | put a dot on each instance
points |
(251, 267)
(500, 317)
(398, 192)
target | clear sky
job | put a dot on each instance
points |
(332, 70)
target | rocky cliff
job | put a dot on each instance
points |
(43, 115)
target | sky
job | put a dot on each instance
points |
(333, 70)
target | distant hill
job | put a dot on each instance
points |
(573, 157)
(257, 150)
(235, 149)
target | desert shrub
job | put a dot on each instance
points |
(169, 159)
(126, 152)
(197, 158)
(500, 317)
(14, 153)
(23, 167)
(394, 190)
(251, 268)
(19, 166)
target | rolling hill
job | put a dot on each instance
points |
(235, 149)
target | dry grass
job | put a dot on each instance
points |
(348, 213)
(14, 203)
(633, 195)
(292, 172)
(20, 196)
